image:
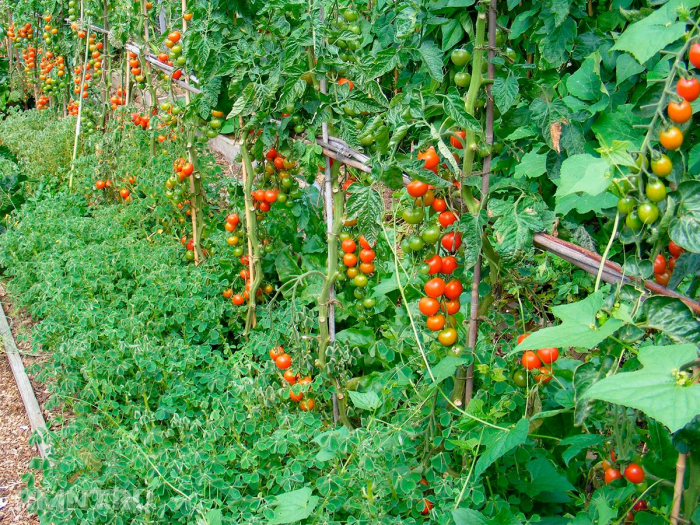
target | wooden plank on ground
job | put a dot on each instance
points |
(31, 405)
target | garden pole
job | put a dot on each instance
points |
(80, 107)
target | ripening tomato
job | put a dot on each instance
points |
(428, 306)
(350, 260)
(283, 362)
(449, 265)
(611, 475)
(275, 352)
(680, 112)
(675, 250)
(434, 287)
(367, 268)
(434, 264)
(296, 397)
(671, 138)
(416, 188)
(543, 375)
(452, 241)
(659, 264)
(124, 193)
(457, 139)
(364, 243)
(174, 36)
(522, 337)
(229, 227)
(237, 300)
(688, 88)
(342, 81)
(548, 355)
(446, 218)
(100, 184)
(671, 263)
(447, 337)
(530, 360)
(439, 205)
(661, 166)
(348, 246)
(227, 293)
(307, 405)
(435, 322)
(694, 54)
(453, 289)
(648, 212)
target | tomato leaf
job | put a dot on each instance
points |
(685, 227)
(531, 165)
(432, 59)
(294, 506)
(498, 443)
(544, 478)
(672, 317)
(584, 174)
(578, 326)
(578, 443)
(654, 389)
(505, 92)
(366, 205)
(447, 367)
(454, 107)
(687, 264)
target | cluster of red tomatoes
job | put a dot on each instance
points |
(264, 199)
(29, 57)
(42, 102)
(140, 120)
(633, 472)
(47, 64)
(72, 107)
(24, 32)
(357, 265)
(540, 363)
(424, 197)
(278, 173)
(119, 99)
(441, 298)
(284, 362)
(663, 268)
(78, 81)
(136, 70)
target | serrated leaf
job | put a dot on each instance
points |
(532, 165)
(654, 389)
(672, 317)
(366, 205)
(454, 108)
(626, 67)
(505, 92)
(516, 220)
(291, 93)
(470, 229)
(432, 59)
(685, 226)
(242, 102)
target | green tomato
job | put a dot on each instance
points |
(405, 247)
(460, 57)
(648, 212)
(424, 269)
(455, 351)
(431, 234)
(237, 251)
(359, 293)
(350, 14)
(416, 243)
(367, 140)
(520, 378)
(189, 255)
(632, 221)
(215, 123)
(360, 280)
(369, 303)
(412, 215)
(656, 191)
(282, 198)
(626, 205)
(299, 128)
(181, 61)
(462, 79)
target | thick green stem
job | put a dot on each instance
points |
(690, 496)
(470, 106)
(196, 199)
(252, 232)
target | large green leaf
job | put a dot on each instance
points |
(532, 165)
(655, 389)
(543, 478)
(584, 174)
(516, 221)
(366, 205)
(294, 506)
(585, 83)
(578, 328)
(470, 517)
(499, 443)
(672, 317)
(432, 58)
(685, 227)
(505, 92)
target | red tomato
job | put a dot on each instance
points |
(446, 218)
(435, 264)
(283, 362)
(611, 475)
(279, 163)
(427, 507)
(275, 352)
(124, 193)
(548, 355)
(364, 243)
(290, 377)
(348, 246)
(367, 256)
(663, 278)
(452, 306)
(675, 250)
(271, 154)
(428, 306)
(688, 88)
(634, 473)
(449, 264)
(452, 241)
(530, 360)
(457, 139)
(522, 337)
(342, 81)
(416, 188)
(232, 218)
(543, 375)
(430, 159)
(439, 205)
(434, 287)
(694, 54)
(453, 289)
(435, 322)
(659, 264)
(680, 112)
(671, 263)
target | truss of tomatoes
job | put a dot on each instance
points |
(299, 394)
(358, 265)
(539, 364)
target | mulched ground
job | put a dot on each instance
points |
(15, 452)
